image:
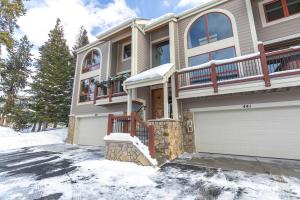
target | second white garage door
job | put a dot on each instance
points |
(269, 132)
(91, 130)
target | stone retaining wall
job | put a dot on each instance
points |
(125, 151)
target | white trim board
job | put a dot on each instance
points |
(97, 115)
(250, 106)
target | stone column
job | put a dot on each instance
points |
(168, 139)
(71, 129)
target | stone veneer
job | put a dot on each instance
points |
(125, 151)
(168, 139)
(71, 129)
(188, 137)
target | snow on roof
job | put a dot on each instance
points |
(155, 73)
(122, 24)
(159, 20)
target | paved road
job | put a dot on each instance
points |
(51, 172)
(37, 164)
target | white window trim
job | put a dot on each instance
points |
(94, 72)
(278, 21)
(159, 40)
(123, 46)
(221, 44)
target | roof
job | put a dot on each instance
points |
(151, 24)
(125, 24)
(153, 76)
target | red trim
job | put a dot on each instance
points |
(285, 9)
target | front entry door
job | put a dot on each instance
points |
(157, 103)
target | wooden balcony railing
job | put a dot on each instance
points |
(114, 90)
(134, 126)
(258, 66)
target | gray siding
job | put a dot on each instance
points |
(241, 99)
(91, 108)
(160, 33)
(143, 50)
(275, 31)
(239, 11)
(122, 65)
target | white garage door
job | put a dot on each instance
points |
(92, 130)
(268, 132)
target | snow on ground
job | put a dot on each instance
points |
(9, 139)
(73, 172)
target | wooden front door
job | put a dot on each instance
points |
(157, 103)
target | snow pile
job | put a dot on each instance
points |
(112, 173)
(151, 74)
(125, 137)
(9, 139)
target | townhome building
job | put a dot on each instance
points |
(222, 77)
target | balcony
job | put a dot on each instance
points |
(109, 92)
(252, 72)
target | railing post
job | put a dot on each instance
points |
(110, 124)
(110, 92)
(214, 78)
(95, 94)
(151, 140)
(264, 64)
(176, 84)
(133, 124)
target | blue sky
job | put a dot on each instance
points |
(94, 15)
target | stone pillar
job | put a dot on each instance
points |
(71, 129)
(168, 139)
(188, 134)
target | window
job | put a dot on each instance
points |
(126, 51)
(92, 61)
(204, 77)
(215, 55)
(160, 53)
(87, 89)
(278, 9)
(209, 28)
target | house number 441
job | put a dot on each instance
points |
(247, 106)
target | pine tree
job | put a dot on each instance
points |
(10, 10)
(52, 84)
(81, 40)
(14, 72)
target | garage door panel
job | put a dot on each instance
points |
(269, 132)
(91, 131)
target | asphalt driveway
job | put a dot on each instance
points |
(53, 172)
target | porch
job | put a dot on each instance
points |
(258, 71)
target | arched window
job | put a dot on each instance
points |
(209, 28)
(92, 61)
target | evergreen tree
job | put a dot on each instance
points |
(10, 10)
(52, 84)
(14, 72)
(81, 40)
